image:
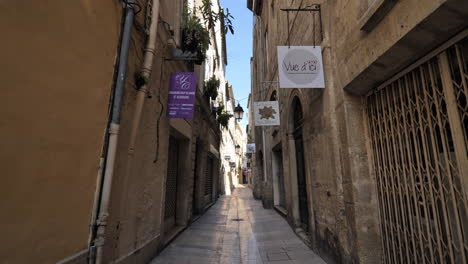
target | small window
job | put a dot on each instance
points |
(227, 92)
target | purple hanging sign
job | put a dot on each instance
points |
(182, 95)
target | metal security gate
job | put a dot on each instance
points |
(419, 131)
(171, 183)
(209, 180)
(300, 166)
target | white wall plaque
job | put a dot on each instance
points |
(250, 148)
(266, 113)
(300, 67)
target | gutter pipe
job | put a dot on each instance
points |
(146, 69)
(114, 132)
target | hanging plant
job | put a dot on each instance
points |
(223, 119)
(195, 37)
(211, 87)
(220, 108)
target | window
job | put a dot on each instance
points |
(183, 9)
(227, 92)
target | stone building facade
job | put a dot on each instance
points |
(371, 169)
(60, 63)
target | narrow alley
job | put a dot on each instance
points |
(225, 132)
(237, 229)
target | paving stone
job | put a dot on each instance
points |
(237, 229)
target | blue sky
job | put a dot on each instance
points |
(239, 50)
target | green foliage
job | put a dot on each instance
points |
(195, 35)
(223, 119)
(220, 108)
(196, 38)
(211, 87)
(227, 22)
(211, 17)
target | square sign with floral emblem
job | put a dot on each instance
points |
(266, 113)
(300, 67)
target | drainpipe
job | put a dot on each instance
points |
(114, 131)
(146, 69)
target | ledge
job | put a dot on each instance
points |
(375, 13)
(441, 25)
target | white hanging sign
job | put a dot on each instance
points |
(300, 67)
(266, 113)
(250, 148)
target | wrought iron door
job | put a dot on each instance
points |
(418, 127)
(209, 179)
(171, 181)
(300, 166)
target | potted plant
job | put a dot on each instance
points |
(220, 108)
(211, 87)
(195, 37)
(223, 119)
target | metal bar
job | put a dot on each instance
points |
(457, 132)
(416, 149)
(406, 143)
(432, 136)
(379, 167)
(386, 158)
(427, 162)
(463, 75)
(393, 163)
(394, 126)
(440, 121)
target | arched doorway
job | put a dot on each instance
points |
(300, 163)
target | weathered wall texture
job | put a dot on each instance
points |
(137, 228)
(56, 73)
(332, 223)
(58, 62)
(409, 30)
(342, 202)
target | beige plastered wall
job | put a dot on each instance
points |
(56, 69)
(135, 228)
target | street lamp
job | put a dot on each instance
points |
(238, 112)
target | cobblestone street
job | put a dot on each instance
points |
(238, 230)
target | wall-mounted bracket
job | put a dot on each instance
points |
(312, 8)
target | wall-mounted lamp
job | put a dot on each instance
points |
(238, 112)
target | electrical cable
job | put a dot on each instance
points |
(156, 158)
